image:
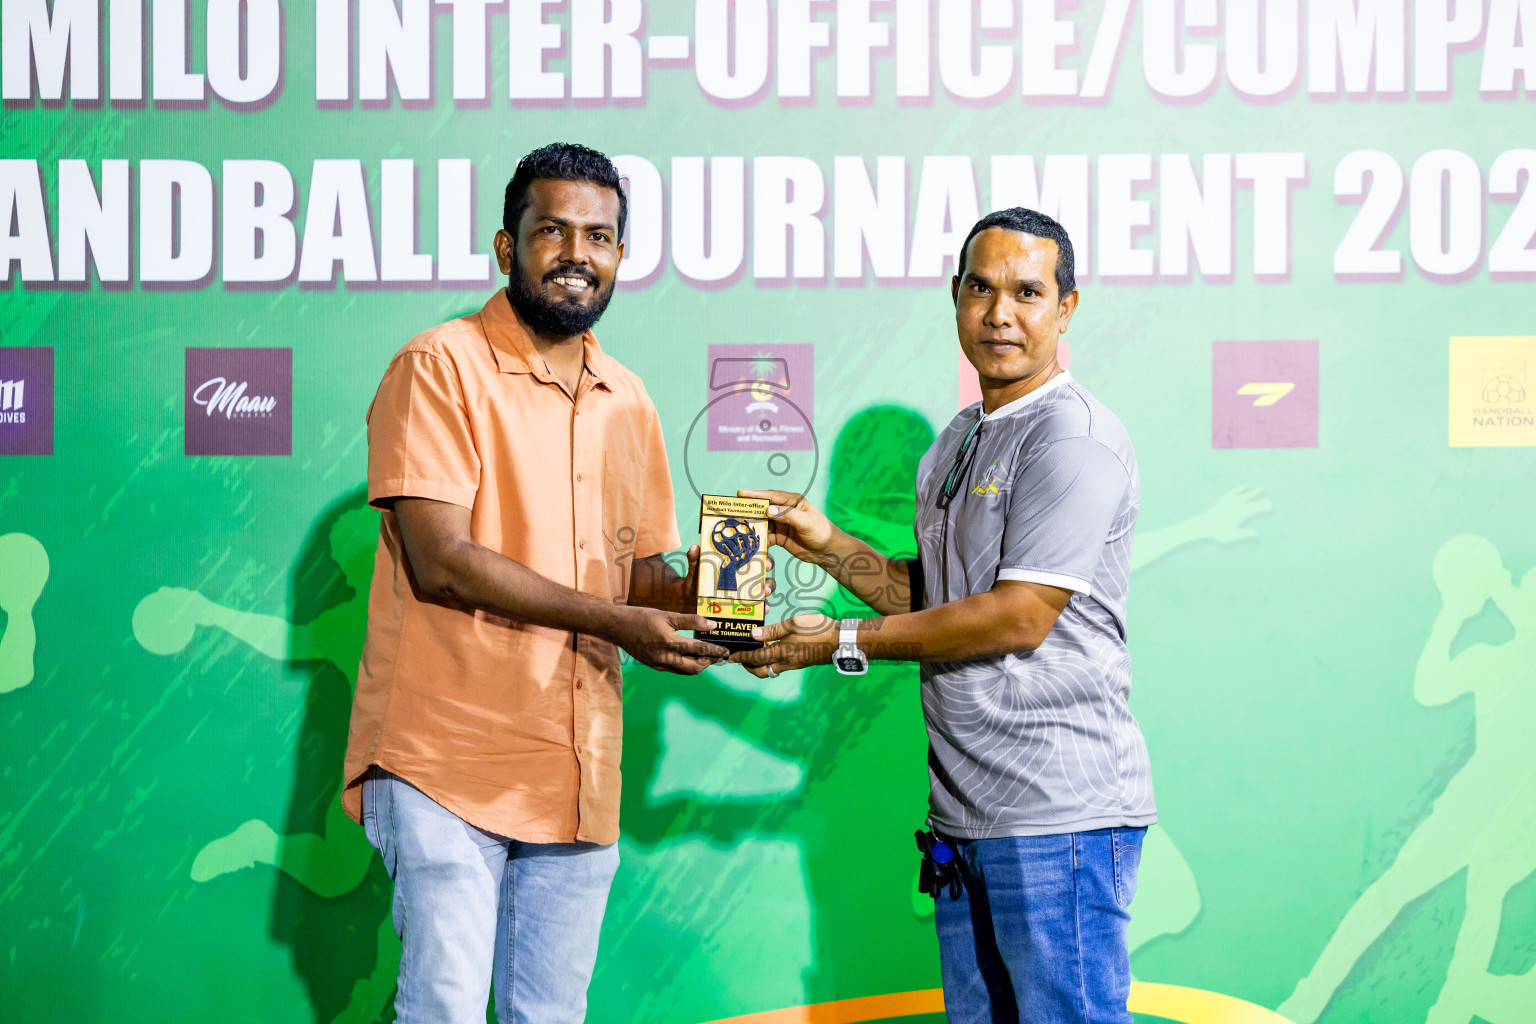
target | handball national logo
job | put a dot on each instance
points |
(1493, 392)
(239, 401)
(26, 401)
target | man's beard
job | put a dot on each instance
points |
(565, 318)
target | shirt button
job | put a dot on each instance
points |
(581, 544)
(578, 684)
(580, 477)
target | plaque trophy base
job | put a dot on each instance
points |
(733, 569)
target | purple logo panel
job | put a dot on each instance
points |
(761, 397)
(239, 401)
(26, 401)
(1264, 394)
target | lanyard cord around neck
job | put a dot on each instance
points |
(963, 461)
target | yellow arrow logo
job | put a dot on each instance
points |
(1268, 394)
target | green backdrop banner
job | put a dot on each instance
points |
(1306, 238)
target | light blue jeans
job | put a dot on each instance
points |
(473, 908)
(1038, 935)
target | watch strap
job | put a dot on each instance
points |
(848, 653)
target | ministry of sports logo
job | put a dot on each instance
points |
(1491, 399)
(239, 401)
(767, 397)
(754, 429)
(26, 401)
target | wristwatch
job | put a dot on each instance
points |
(848, 659)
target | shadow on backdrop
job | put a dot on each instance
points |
(854, 745)
(860, 743)
(332, 897)
(331, 906)
(859, 740)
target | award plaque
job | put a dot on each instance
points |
(733, 569)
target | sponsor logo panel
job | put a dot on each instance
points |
(769, 397)
(1493, 392)
(239, 401)
(26, 401)
(1264, 394)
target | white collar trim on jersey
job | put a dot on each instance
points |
(1019, 403)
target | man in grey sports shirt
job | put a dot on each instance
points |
(1015, 606)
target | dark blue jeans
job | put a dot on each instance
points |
(1038, 935)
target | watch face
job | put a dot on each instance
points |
(852, 666)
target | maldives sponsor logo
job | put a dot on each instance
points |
(26, 401)
(12, 393)
(239, 401)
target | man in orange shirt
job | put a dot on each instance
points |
(526, 507)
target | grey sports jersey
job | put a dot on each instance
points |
(1043, 742)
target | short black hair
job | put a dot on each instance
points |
(1029, 222)
(560, 161)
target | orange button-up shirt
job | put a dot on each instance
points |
(514, 727)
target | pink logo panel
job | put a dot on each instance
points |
(765, 395)
(1264, 394)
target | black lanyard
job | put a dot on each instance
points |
(952, 486)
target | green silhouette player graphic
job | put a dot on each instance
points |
(23, 574)
(164, 623)
(1484, 821)
(334, 862)
(1168, 898)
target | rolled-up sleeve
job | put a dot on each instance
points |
(419, 440)
(1061, 509)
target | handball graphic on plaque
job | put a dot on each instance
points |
(24, 572)
(1483, 642)
(336, 860)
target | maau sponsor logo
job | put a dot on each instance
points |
(229, 399)
(239, 401)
